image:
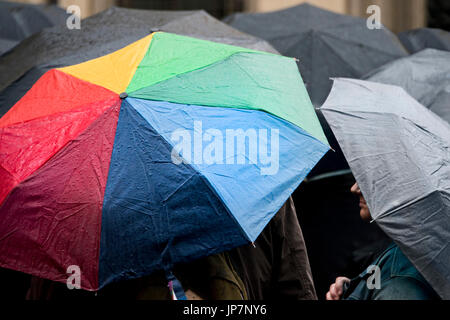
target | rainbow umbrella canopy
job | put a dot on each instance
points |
(165, 151)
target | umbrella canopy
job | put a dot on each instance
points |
(167, 150)
(419, 39)
(399, 152)
(19, 21)
(100, 35)
(326, 43)
(424, 75)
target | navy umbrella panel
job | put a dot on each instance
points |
(399, 153)
(6, 45)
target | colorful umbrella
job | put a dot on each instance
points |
(167, 150)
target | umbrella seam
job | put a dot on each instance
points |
(205, 180)
(246, 51)
(402, 206)
(246, 107)
(325, 33)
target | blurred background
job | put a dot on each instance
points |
(398, 15)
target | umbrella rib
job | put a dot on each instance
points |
(382, 215)
(208, 184)
(402, 206)
(325, 33)
(203, 67)
(231, 215)
(12, 175)
(350, 66)
(430, 261)
(327, 108)
(78, 109)
(56, 153)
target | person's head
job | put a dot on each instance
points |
(364, 209)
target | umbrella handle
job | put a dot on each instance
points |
(175, 288)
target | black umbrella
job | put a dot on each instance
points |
(424, 75)
(19, 21)
(419, 39)
(102, 34)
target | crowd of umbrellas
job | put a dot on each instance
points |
(382, 101)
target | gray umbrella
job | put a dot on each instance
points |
(424, 75)
(419, 39)
(326, 43)
(399, 153)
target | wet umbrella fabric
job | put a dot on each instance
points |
(102, 34)
(423, 38)
(19, 21)
(399, 153)
(122, 165)
(326, 43)
(424, 75)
